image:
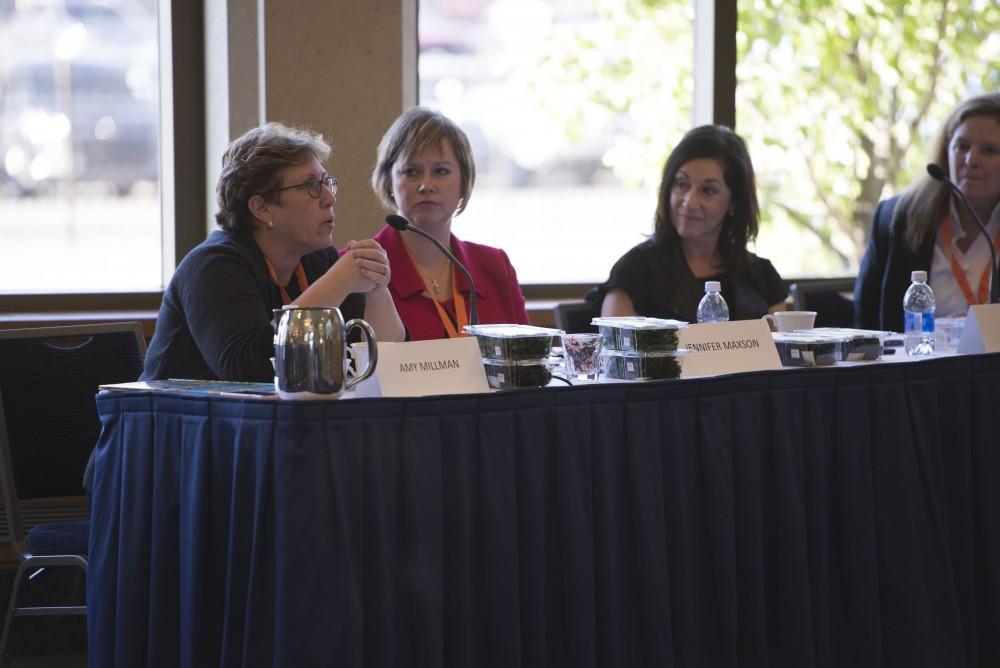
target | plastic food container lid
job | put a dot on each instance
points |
(636, 354)
(638, 322)
(512, 331)
(541, 361)
(808, 337)
(849, 333)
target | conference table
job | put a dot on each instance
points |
(839, 516)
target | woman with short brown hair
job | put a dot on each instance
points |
(276, 211)
(425, 172)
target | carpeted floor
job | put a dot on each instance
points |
(46, 642)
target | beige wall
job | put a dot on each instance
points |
(345, 68)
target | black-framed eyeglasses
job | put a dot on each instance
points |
(314, 186)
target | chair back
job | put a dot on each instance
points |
(831, 298)
(48, 415)
(574, 317)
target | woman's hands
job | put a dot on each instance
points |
(363, 267)
(368, 258)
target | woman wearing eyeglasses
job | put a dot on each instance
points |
(425, 173)
(276, 211)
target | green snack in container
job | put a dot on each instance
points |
(639, 334)
(860, 344)
(510, 374)
(632, 365)
(807, 349)
(513, 342)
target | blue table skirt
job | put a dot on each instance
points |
(823, 517)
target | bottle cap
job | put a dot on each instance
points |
(712, 286)
(918, 275)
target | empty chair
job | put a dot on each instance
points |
(48, 428)
(831, 298)
(575, 316)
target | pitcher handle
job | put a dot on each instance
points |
(372, 350)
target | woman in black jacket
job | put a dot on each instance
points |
(927, 229)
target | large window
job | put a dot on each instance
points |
(571, 106)
(79, 159)
(839, 101)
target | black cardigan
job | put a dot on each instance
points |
(215, 319)
(885, 271)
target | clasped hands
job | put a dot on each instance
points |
(370, 264)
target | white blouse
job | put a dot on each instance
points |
(948, 296)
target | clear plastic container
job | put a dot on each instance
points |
(513, 342)
(858, 345)
(633, 365)
(948, 332)
(639, 334)
(511, 374)
(808, 349)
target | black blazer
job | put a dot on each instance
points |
(885, 271)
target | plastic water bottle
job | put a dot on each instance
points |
(918, 316)
(712, 307)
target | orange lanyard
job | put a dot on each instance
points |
(300, 276)
(959, 272)
(461, 316)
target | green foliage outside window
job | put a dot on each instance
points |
(843, 98)
(838, 99)
(626, 72)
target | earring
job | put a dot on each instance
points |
(270, 224)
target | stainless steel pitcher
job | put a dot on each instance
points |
(310, 349)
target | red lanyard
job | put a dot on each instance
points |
(300, 277)
(959, 272)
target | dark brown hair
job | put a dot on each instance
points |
(740, 226)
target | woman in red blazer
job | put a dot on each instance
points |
(425, 173)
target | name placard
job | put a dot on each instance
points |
(981, 333)
(424, 368)
(728, 347)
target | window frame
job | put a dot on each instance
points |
(185, 220)
(182, 179)
(719, 60)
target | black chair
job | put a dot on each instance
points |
(831, 298)
(48, 428)
(574, 317)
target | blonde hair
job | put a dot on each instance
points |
(252, 165)
(417, 130)
(926, 202)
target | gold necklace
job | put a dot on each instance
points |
(434, 282)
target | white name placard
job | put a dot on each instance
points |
(981, 333)
(728, 347)
(423, 368)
